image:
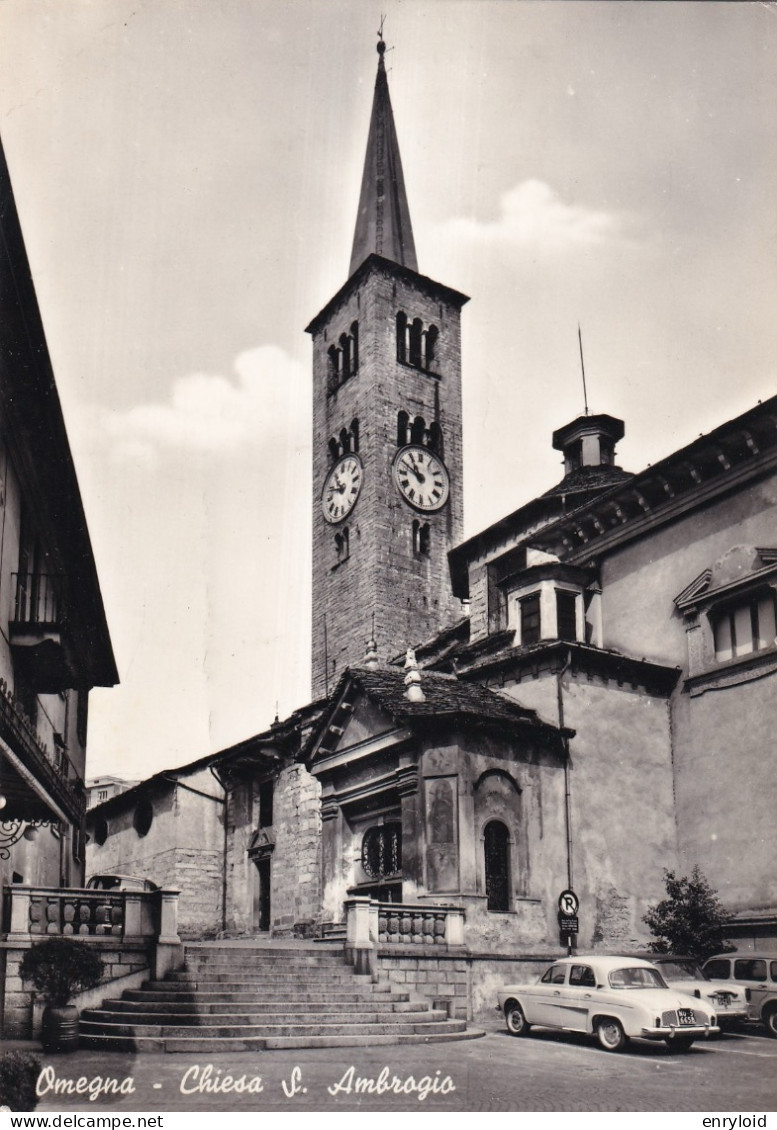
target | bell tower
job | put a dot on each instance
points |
(387, 460)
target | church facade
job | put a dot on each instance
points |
(590, 698)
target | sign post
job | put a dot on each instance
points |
(568, 922)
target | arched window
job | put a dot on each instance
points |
(345, 348)
(403, 428)
(496, 851)
(345, 441)
(418, 430)
(342, 545)
(415, 350)
(421, 538)
(430, 345)
(354, 435)
(435, 437)
(334, 449)
(354, 346)
(382, 851)
(401, 336)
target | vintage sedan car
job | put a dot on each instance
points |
(728, 999)
(120, 883)
(613, 998)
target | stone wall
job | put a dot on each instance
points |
(21, 1012)
(469, 981)
(296, 860)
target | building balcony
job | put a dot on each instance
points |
(36, 634)
(37, 785)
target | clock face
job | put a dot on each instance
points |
(421, 477)
(341, 488)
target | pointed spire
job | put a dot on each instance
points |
(383, 221)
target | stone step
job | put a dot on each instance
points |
(195, 1045)
(299, 1030)
(168, 994)
(103, 1016)
(249, 976)
(266, 1007)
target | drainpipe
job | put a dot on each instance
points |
(217, 778)
(567, 789)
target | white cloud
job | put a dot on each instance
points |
(532, 214)
(265, 402)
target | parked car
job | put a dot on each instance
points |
(119, 883)
(756, 970)
(613, 998)
(729, 1000)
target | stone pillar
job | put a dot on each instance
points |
(454, 927)
(20, 914)
(168, 918)
(331, 858)
(359, 946)
(132, 918)
(412, 829)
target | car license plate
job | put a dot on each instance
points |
(685, 1015)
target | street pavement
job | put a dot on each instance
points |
(541, 1072)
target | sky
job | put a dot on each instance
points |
(187, 177)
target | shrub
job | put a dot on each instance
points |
(19, 1073)
(690, 921)
(61, 967)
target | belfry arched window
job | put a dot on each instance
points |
(496, 853)
(382, 851)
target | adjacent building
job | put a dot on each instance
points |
(54, 641)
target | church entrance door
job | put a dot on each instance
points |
(262, 894)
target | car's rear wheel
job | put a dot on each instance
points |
(515, 1020)
(610, 1034)
(770, 1020)
(679, 1043)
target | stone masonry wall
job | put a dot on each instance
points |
(296, 860)
(20, 1011)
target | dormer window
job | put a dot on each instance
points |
(730, 613)
(530, 618)
(747, 626)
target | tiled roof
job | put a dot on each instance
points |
(446, 698)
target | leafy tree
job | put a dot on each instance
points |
(690, 921)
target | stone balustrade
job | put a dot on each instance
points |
(35, 911)
(135, 933)
(369, 924)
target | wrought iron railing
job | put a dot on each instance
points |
(37, 598)
(55, 771)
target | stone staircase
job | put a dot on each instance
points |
(229, 998)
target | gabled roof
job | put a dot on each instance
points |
(383, 221)
(446, 700)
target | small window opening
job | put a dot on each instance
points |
(530, 618)
(266, 791)
(496, 848)
(421, 538)
(566, 615)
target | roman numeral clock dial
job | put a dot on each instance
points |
(421, 478)
(341, 489)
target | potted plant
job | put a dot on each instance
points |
(59, 968)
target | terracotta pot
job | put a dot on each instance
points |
(60, 1029)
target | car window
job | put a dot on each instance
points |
(582, 975)
(718, 969)
(773, 970)
(636, 977)
(680, 971)
(750, 969)
(555, 975)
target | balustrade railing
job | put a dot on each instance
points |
(370, 922)
(31, 912)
